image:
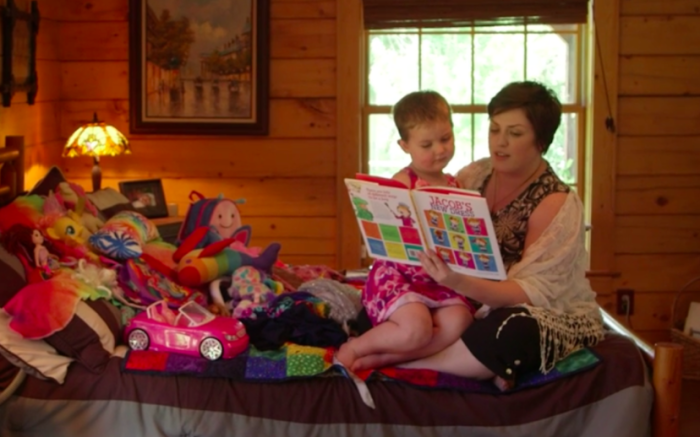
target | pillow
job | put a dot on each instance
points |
(91, 336)
(49, 182)
(122, 237)
(109, 202)
(35, 357)
(12, 274)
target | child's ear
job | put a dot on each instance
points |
(404, 145)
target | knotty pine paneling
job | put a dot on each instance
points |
(303, 9)
(659, 75)
(662, 234)
(650, 116)
(202, 158)
(660, 35)
(657, 272)
(660, 7)
(658, 195)
(657, 156)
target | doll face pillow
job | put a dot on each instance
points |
(225, 219)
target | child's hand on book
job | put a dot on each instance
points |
(438, 270)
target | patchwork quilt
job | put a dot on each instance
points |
(294, 361)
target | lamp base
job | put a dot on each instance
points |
(96, 176)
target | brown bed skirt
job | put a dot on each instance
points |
(335, 399)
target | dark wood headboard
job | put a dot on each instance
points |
(12, 170)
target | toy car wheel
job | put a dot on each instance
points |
(138, 340)
(211, 349)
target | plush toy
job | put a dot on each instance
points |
(197, 267)
(124, 235)
(249, 289)
(72, 197)
(220, 216)
(62, 224)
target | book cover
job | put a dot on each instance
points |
(397, 223)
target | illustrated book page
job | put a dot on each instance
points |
(457, 226)
(388, 220)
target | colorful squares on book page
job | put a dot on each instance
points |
(475, 226)
(390, 233)
(435, 219)
(458, 241)
(465, 259)
(376, 247)
(371, 230)
(413, 251)
(410, 235)
(446, 254)
(396, 250)
(480, 245)
(440, 237)
(485, 262)
(455, 223)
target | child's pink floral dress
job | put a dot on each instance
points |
(391, 285)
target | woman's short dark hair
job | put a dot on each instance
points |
(541, 106)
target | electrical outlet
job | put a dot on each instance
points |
(625, 301)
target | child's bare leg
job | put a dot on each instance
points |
(409, 327)
(449, 324)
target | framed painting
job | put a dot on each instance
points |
(199, 67)
(19, 33)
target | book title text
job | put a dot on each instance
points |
(451, 206)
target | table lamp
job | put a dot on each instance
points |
(96, 139)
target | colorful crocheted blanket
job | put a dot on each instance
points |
(295, 361)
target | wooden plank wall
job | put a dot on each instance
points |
(657, 200)
(39, 123)
(288, 177)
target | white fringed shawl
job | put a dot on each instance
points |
(552, 272)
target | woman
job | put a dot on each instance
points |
(546, 308)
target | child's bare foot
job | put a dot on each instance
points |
(347, 355)
(502, 384)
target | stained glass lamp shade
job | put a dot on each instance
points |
(96, 139)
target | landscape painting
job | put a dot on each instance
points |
(199, 66)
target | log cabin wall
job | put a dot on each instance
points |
(39, 123)
(645, 218)
(657, 186)
(288, 178)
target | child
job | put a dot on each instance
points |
(412, 316)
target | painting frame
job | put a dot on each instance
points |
(153, 189)
(259, 78)
(21, 27)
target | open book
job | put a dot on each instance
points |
(397, 223)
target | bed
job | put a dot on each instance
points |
(634, 390)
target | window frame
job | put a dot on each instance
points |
(578, 107)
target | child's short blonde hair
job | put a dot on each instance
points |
(418, 107)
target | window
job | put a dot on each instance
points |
(468, 66)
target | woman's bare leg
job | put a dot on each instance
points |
(456, 359)
(410, 327)
(449, 324)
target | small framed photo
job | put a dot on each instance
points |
(146, 196)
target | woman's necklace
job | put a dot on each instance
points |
(497, 200)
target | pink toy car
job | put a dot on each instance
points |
(192, 330)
